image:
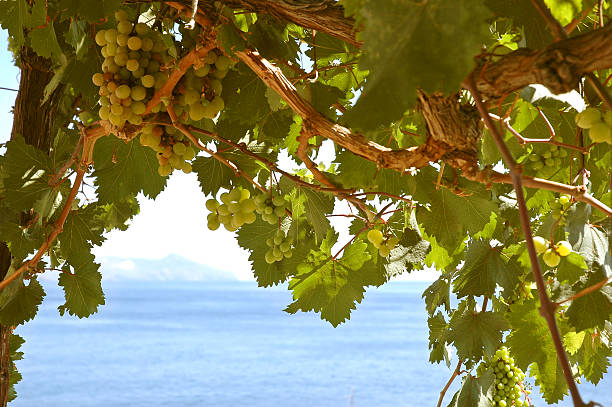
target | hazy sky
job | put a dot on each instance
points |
(175, 223)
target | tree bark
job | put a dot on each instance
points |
(33, 120)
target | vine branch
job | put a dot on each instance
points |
(547, 308)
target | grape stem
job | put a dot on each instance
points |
(550, 140)
(179, 126)
(456, 373)
(547, 308)
(584, 292)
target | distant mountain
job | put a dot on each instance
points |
(172, 267)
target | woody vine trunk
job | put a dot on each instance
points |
(34, 121)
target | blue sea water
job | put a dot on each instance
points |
(230, 344)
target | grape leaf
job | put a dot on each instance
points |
(253, 238)
(593, 309)
(16, 17)
(80, 232)
(571, 268)
(476, 333)
(484, 269)
(20, 303)
(529, 328)
(247, 103)
(82, 288)
(84, 9)
(331, 287)
(25, 175)
(317, 205)
(44, 42)
(442, 35)
(525, 16)
(124, 169)
(594, 357)
(474, 392)
(437, 294)
(212, 174)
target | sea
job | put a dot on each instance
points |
(231, 344)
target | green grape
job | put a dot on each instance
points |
(601, 133)
(192, 96)
(564, 248)
(123, 91)
(187, 169)
(203, 71)
(124, 27)
(122, 40)
(139, 93)
(132, 65)
(134, 43)
(147, 44)
(138, 108)
(121, 59)
(121, 15)
(210, 58)
(588, 117)
(98, 79)
(104, 112)
(110, 35)
(148, 81)
(100, 38)
(540, 244)
(550, 258)
(197, 112)
(223, 63)
(375, 237)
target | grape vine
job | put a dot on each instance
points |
(463, 165)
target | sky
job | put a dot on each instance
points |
(172, 224)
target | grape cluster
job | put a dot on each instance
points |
(173, 149)
(600, 127)
(133, 56)
(279, 247)
(382, 243)
(553, 157)
(508, 379)
(551, 255)
(560, 206)
(271, 208)
(198, 93)
(236, 209)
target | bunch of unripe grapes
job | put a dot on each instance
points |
(174, 151)
(508, 379)
(271, 208)
(600, 126)
(236, 208)
(198, 93)
(560, 206)
(551, 255)
(133, 55)
(553, 157)
(383, 243)
(279, 247)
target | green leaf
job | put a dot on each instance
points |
(15, 342)
(484, 269)
(253, 238)
(564, 10)
(571, 268)
(450, 216)
(528, 329)
(476, 333)
(212, 174)
(16, 16)
(318, 205)
(437, 294)
(124, 169)
(82, 288)
(247, 103)
(438, 41)
(44, 42)
(331, 287)
(593, 309)
(594, 357)
(474, 392)
(524, 16)
(20, 303)
(25, 175)
(80, 233)
(84, 9)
